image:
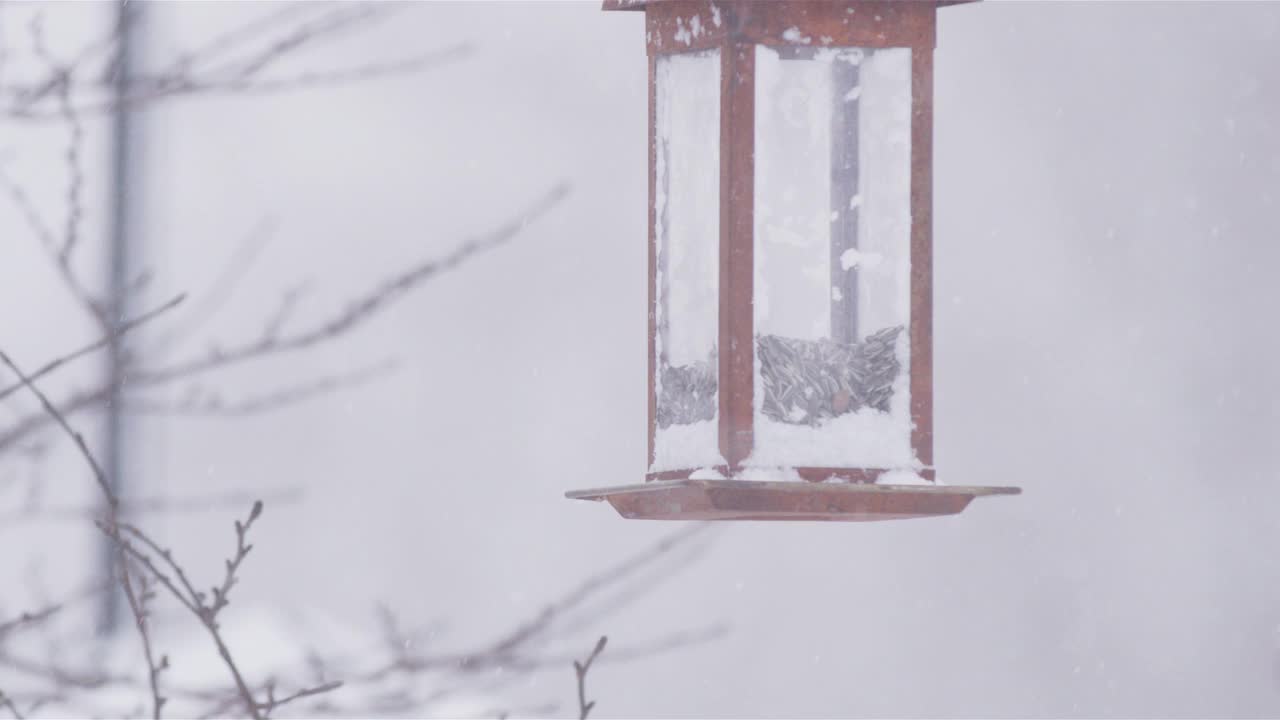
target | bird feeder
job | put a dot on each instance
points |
(790, 263)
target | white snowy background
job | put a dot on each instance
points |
(1107, 187)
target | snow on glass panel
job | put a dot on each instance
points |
(832, 257)
(687, 232)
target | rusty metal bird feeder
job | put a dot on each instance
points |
(790, 263)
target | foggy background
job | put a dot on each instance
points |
(1107, 178)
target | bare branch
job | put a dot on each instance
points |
(98, 475)
(102, 342)
(232, 63)
(61, 676)
(29, 424)
(221, 594)
(242, 62)
(137, 600)
(59, 82)
(339, 18)
(188, 596)
(112, 528)
(272, 703)
(360, 73)
(75, 174)
(593, 585)
(363, 307)
(581, 669)
(8, 705)
(232, 39)
(42, 232)
(29, 618)
(353, 316)
(210, 302)
(135, 507)
(214, 406)
(666, 644)
(514, 653)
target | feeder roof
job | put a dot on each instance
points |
(639, 4)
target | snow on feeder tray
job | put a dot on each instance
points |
(790, 263)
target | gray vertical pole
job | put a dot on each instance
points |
(844, 185)
(124, 186)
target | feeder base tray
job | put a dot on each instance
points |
(753, 500)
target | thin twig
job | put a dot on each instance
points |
(60, 77)
(231, 39)
(75, 173)
(232, 63)
(154, 505)
(363, 307)
(98, 475)
(61, 676)
(41, 230)
(581, 669)
(339, 19)
(351, 75)
(111, 526)
(29, 618)
(595, 584)
(512, 652)
(273, 703)
(137, 600)
(353, 316)
(212, 300)
(102, 342)
(214, 406)
(221, 593)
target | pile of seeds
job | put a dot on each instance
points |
(805, 381)
(688, 393)
(809, 381)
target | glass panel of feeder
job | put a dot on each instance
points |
(687, 232)
(832, 257)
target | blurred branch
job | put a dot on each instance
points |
(8, 705)
(336, 19)
(60, 676)
(497, 665)
(214, 406)
(272, 703)
(213, 299)
(135, 507)
(360, 73)
(515, 652)
(117, 332)
(363, 307)
(59, 83)
(137, 599)
(580, 669)
(34, 617)
(41, 230)
(234, 62)
(272, 342)
(197, 602)
(593, 585)
(98, 475)
(241, 61)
